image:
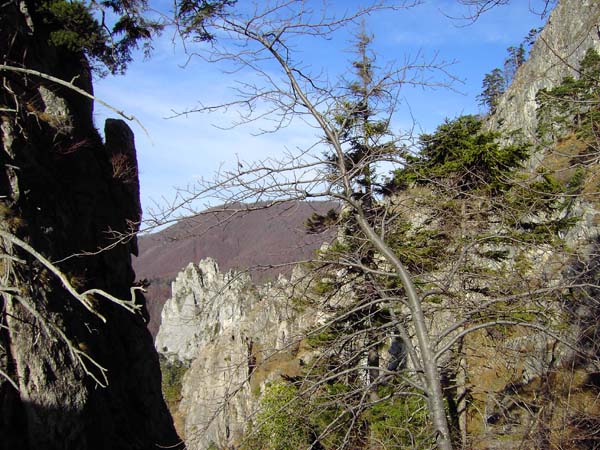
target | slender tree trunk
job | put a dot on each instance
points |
(461, 395)
(435, 395)
(431, 373)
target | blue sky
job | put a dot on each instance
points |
(180, 150)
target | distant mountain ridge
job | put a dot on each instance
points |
(265, 241)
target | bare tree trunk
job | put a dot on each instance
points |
(295, 100)
(435, 396)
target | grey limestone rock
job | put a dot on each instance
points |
(571, 30)
(236, 337)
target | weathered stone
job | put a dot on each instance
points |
(58, 194)
(237, 337)
(571, 30)
(204, 302)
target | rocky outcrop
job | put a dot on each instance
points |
(572, 28)
(77, 371)
(204, 301)
(264, 241)
(236, 337)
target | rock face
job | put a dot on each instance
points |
(571, 29)
(203, 302)
(236, 337)
(68, 379)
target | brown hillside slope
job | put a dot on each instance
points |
(265, 241)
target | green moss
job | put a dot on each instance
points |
(300, 304)
(522, 264)
(524, 316)
(434, 299)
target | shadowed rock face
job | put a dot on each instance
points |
(59, 192)
(266, 242)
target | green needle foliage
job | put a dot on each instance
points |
(572, 106)
(194, 16)
(80, 27)
(461, 152)
(493, 86)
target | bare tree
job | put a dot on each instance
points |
(267, 36)
(475, 8)
(472, 283)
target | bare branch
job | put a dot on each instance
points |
(85, 297)
(72, 86)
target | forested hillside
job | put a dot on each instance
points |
(266, 241)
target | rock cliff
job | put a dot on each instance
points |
(77, 370)
(235, 337)
(203, 303)
(264, 241)
(572, 28)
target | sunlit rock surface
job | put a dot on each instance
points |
(236, 337)
(571, 30)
